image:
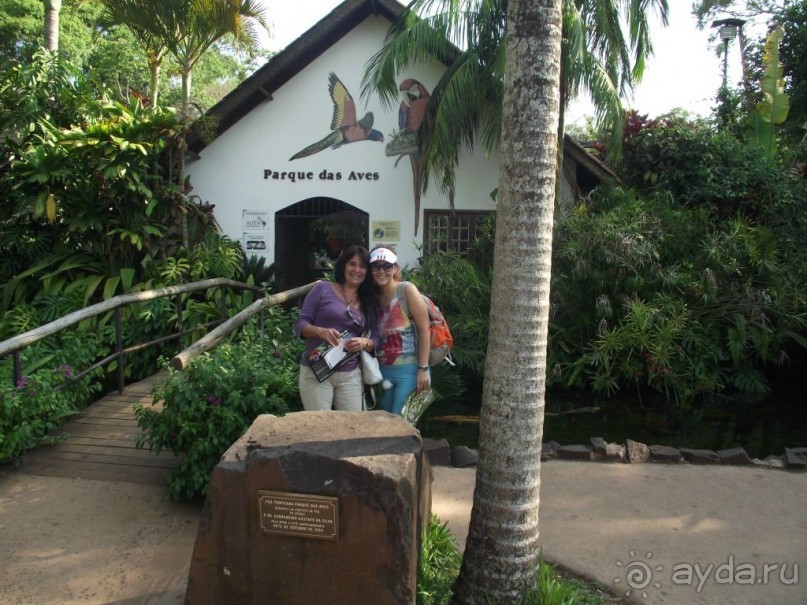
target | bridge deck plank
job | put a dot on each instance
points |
(100, 444)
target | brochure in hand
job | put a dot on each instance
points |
(325, 359)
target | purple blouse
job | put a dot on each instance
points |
(322, 307)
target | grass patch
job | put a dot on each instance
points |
(440, 563)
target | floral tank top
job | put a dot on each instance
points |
(398, 336)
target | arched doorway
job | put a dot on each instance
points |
(309, 236)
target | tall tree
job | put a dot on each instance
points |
(502, 551)
(52, 10)
(146, 22)
(469, 36)
(187, 29)
(193, 26)
(706, 10)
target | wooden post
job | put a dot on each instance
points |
(17, 368)
(119, 346)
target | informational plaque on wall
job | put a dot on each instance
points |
(254, 220)
(386, 231)
(302, 515)
(255, 234)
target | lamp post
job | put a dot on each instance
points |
(728, 31)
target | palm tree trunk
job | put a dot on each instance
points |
(502, 551)
(185, 116)
(154, 85)
(52, 9)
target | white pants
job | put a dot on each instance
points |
(341, 391)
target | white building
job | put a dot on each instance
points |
(294, 209)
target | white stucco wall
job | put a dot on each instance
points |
(230, 171)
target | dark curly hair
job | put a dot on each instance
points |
(368, 292)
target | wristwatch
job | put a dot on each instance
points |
(423, 367)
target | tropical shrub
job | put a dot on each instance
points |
(88, 211)
(37, 403)
(438, 565)
(86, 198)
(650, 293)
(209, 405)
(462, 291)
(81, 184)
(701, 167)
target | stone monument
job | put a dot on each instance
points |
(314, 508)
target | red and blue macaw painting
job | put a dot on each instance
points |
(415, 98)
(344, 127)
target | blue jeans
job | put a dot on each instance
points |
(404, 380)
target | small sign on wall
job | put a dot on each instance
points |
(253, 220)
(255, 231)
(386, 231)
(255, 243)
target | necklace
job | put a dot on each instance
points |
(350, 303)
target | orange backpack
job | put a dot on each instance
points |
(441, 339)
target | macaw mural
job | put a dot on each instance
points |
(415, 98)
(344, 127)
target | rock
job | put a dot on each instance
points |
(616, 452)
(438, 451)
(598, 445)
(314, 507)
(697, 456)
(775, 462)
(463, 457)
(549, 450)
(735, 455)
(793, 460)
(637, 452)
(665, 454)
(574, 452)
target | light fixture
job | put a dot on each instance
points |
(728, 31)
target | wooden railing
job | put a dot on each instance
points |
(211, 339)
(14, 346)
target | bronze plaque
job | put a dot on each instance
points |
(303, 515)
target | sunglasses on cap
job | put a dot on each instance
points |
(382, 266)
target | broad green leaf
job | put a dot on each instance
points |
(92, 282)
(50, 208)
(127, 276)
(775, 104)
(111, 285)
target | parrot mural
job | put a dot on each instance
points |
(344, 127)
(415, 98)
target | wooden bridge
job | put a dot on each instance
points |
(100, 443)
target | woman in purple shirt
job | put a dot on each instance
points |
(330, 308)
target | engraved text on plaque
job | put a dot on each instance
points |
(303, 515)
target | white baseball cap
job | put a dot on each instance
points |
(383, 254)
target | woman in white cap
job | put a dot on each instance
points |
(342, 311)
(403, 351)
